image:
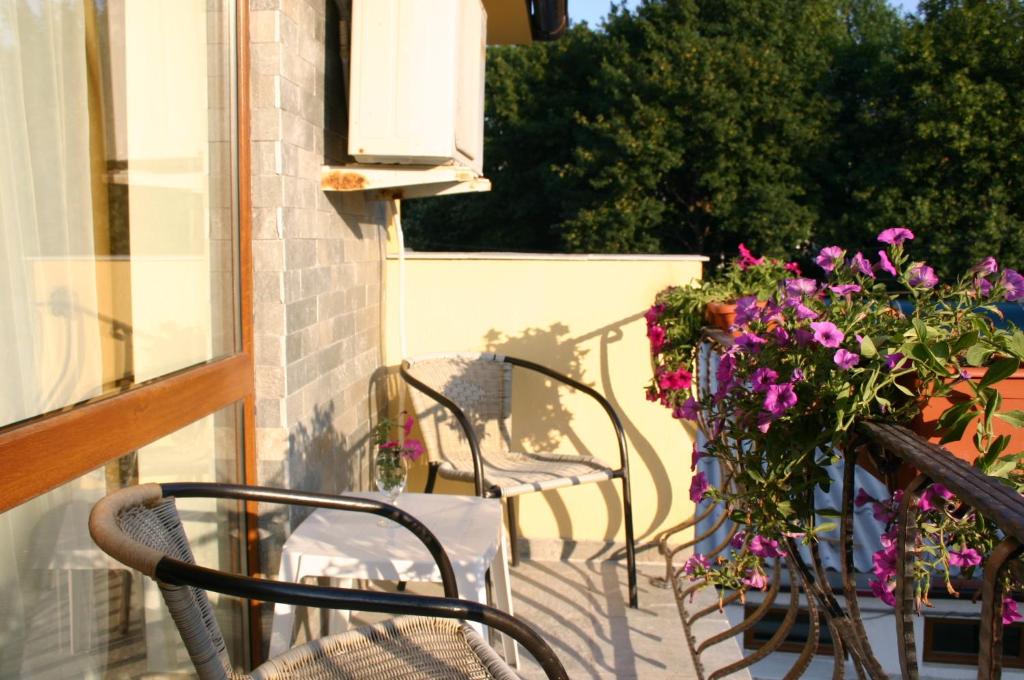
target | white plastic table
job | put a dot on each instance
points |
(350, 545)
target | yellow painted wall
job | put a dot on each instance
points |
(581, 315)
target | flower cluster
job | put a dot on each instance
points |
(403, 445)
(814, 357)
(950, 543)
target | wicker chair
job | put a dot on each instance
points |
(464, 405)
(140, 527)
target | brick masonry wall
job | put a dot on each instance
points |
(317, 265)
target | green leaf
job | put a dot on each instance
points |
(1015, 344)
(920, 329)
(939, 349)
(867, 347)
(1000, 370)
(965, 341)
(950, 415)
(827, 526)
(1015, 418)
(1001, 468)
(955, 432)
(977, 355)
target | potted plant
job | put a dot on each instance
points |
(821, 355)
(676, 321)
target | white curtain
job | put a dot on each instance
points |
(49, 345)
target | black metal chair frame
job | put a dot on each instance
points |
(622, 473)
(176, 572)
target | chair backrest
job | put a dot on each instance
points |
(481, 386)
(138, 527)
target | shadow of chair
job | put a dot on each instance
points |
(464, 405)
(140, 527)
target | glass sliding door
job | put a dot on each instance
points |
(119, 277)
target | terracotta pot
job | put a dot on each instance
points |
(720, 314)
(1012, 391)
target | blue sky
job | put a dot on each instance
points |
(592, 11)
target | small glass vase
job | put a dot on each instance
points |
(390, 473)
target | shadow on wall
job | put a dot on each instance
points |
(322, 459)
(555, 348)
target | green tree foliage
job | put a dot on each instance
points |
(693, 125)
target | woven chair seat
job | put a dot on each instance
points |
(517, 473)
(400, 649)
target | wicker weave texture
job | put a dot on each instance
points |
(159, 527)
(481, 385)
(406, 648)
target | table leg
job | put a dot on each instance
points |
(475, 589)
(284, 614)
(338, 619)
(503, 597)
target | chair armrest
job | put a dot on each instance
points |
(318, 500)
(176, 572)
(467, 428)
(588, 390)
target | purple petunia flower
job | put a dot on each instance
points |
(796, 376)
(986, 266)
(829, 256)
(779, 398)
(746, 310)
(968, 557)
(885, 264)
(845, 289)
(845, 359)
(863, 498)
(736, 542)
(696, 561)
(698, 487)
(781, 336)
(896, 235)
(922, 276)
(884, 563)
(690, 409)
(764, 421)
(695, 455)
(827, 334)
(750, 342)
(763, 378)
(798, 287)
(765, 547)
(805, 313)
(803, 336)
(933, 498)
(894, 360)
(983, 286)
(860, 264)
(1013, 282)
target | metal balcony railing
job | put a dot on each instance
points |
(886, 448)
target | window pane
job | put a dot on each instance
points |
(116, 196)
(67, 610)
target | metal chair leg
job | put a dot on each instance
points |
(431, 477)
(627, 509)
(513, 531)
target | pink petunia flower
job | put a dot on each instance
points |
(656, 334)
(764, 422)
(863, 498)
(827, 334)
(747, 258)
(845, 359)
(885, 264)
(1010, 613)
(779, 399)
(792, 268)
(679, 379)
(796, 376)
(763, 378)
(986, 266)
(765, 547)
(407, 425)
(934, 497)
(860, 264)
(896, 235)
(652, 394)
(968, 557)
(829, 257)
(755, 579)
(922, 276)
(695, 455)
(883, 592)
(653, 314)
(845, 289)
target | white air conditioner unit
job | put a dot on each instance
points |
(417, 82)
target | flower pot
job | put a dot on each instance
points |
(720, 314)
(1011, 390)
